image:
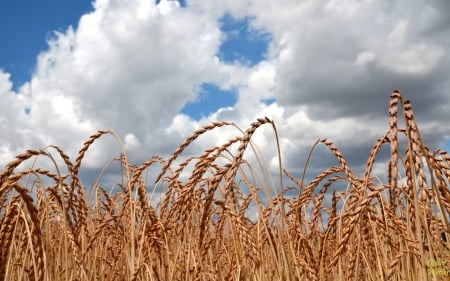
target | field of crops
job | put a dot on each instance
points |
(227, 221)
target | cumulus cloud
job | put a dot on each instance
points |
(13, 115)
(131, 66)
(337, 61)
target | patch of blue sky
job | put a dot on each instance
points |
(210, 99)
(242, 42)
(25, 27)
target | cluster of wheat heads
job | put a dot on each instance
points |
(226, 220)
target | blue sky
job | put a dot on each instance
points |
(241, 45)
(320, 69)
(25, 27)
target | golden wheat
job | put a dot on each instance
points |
(228, 220)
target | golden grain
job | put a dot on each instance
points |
(225, 222)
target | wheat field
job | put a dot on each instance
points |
(215, 216)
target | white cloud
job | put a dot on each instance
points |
(125, 68)
(399, 32)
(407, 56)
(364, 58)
(12, 117)
(181, 125)
(5, 83)
(131, 142)
(166, 7)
